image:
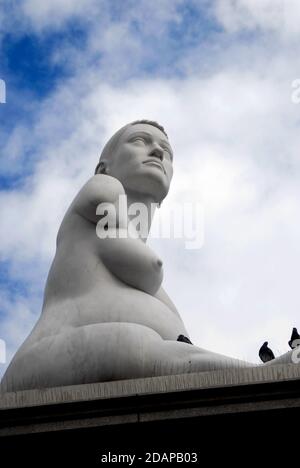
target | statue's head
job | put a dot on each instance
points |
(139, 155)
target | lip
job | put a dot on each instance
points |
(156, 163)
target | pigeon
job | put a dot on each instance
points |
(295, 339)
(184, 339)
(265, 353)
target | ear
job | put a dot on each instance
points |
(101, 168)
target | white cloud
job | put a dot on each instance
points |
(278, 16)
(53, 15)
(55, 12)
(19, 318)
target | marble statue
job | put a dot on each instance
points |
(105, 314)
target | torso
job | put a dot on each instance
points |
(81, 291)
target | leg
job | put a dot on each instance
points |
(105, 352)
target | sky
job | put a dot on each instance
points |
(218, 75)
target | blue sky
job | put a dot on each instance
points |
(217, 74)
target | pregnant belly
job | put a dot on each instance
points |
(116, 303)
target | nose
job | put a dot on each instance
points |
(157, 152)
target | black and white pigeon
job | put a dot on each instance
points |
(184, 339)
(265, 353)
(295, 339)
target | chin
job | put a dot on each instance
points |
(153, 187)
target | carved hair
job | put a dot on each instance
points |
(113, 141)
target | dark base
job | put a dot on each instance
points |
(231, 425)
(230, 439)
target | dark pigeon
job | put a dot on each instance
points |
(184, 339)
(295, 339)
(265, 353)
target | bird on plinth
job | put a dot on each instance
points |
(295, 339)
(265, 353)
(184, 339)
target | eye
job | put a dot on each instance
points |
(167, 150)
(138, 139)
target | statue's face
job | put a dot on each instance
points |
(143, 161)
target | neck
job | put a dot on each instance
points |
(141, 209)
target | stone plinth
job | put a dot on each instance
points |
(191, 411)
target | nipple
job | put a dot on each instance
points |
(158, 264)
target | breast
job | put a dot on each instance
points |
(81, 290)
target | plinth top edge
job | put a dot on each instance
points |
(150, 385)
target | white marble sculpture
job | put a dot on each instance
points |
(105, 314)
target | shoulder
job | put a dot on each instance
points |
(100, 183)
(100, 188)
